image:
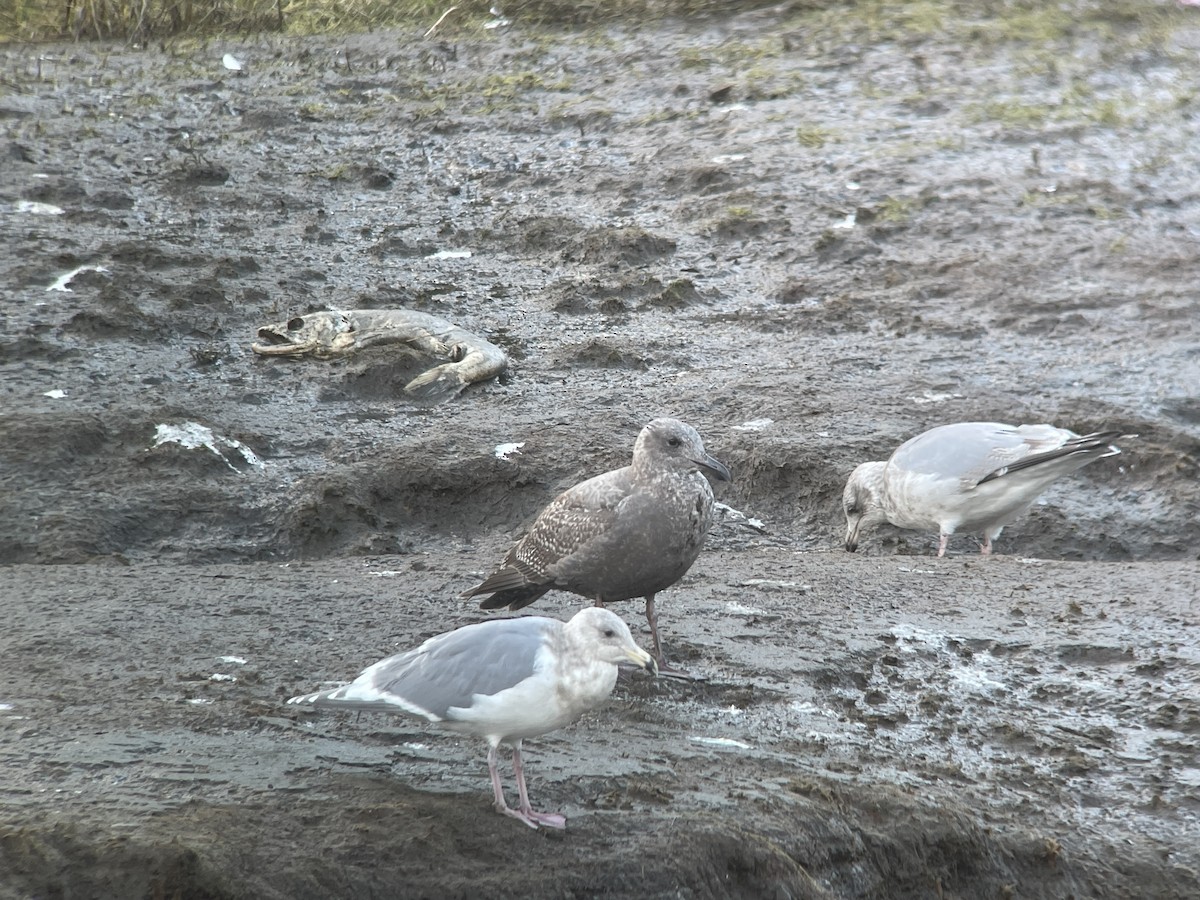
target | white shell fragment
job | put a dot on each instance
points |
(505, 451)
(934, 397)
(499, 21)
(737, 517)
(193, 435)
(724, 743)
(34, 208)
(754, 425)
(60, 284)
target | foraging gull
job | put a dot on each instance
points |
(503, 680)
(970, 476)
(628, 533)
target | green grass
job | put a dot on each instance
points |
(1011, 113)
(501, 91)
(896, 210)
(813, 136)
(1037, 29)
(1077, 106)
(139, 20)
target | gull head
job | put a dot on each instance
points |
(606, 637)
(861, 502)
(677, 446)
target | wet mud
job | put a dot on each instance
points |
(811, 233)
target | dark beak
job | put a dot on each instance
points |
(714, 467)
(852, 535)
(643, 660)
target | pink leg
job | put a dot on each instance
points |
(501, 804)
(986, 547)
(664, 668)
(535, 818)
(942, 544)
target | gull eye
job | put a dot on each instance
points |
(608, 632)
(673, 442)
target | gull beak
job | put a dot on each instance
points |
(714, 467)
(852, 534)
(642, 660)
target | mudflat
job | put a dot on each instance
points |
(809, 232)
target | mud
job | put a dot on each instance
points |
(809, 232)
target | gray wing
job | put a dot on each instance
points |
(971, 451)
(1071, 454)
(446, 671)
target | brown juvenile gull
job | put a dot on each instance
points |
(627, 533)
(970, 476)
(503, 680)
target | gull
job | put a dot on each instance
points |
(503, 680)
(628, 533)
(969, 476)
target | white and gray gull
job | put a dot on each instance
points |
(503, 680)
(969, 476)
(628, 533)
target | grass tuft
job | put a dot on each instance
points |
(141, 20)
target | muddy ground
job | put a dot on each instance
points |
(811, 232)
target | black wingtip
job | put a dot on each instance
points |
(513, 598)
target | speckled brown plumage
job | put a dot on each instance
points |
(628, 533)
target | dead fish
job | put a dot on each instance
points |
(338, 333)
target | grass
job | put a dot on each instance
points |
(1078, 105)
(813, 136)
(314, 111)
(133, 20)
(141, 20)
(1035, 25)
(1076, 200)
(896, 210)
(1011, 113)
(497, 92)
(729, 55)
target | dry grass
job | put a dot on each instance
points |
(40, 20)
(139, 20)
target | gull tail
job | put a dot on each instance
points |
(508, 587)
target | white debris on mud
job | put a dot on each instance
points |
(193, 436)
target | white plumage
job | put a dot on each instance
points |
(969, 476)
(503, 680)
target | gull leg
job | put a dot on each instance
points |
(664, 668)
(986, 547)
(942, 544)
(501, 804)
(531, 815)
